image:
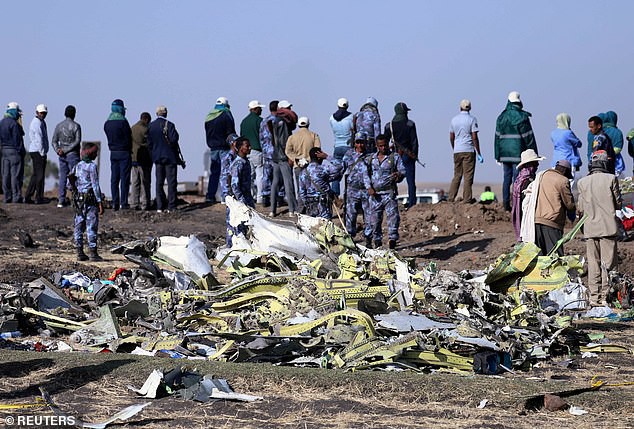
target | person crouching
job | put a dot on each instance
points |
(314, 184)
(87, 202)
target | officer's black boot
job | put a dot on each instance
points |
(368, 242)
(266, 201)
(392, 244)
(94, 256)
(81, 256)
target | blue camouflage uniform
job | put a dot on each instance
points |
(314, 187)
(384, 198)
(87, 198)
(357, 184)
(240, 180)
(225, 181)
(368, 120)
(266, 141)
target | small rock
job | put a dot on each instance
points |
(554, 403)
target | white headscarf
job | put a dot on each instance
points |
(563, 121)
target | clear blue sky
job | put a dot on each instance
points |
(562, 56)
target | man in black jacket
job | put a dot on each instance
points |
(402, 131)
(163, 143)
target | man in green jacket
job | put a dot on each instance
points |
(250, 128)
(513, 135)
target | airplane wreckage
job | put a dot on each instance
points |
(304, 294)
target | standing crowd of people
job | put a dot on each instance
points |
(287, 164)
(278, 160)
(542, 201)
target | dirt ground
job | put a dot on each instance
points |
(455, 236)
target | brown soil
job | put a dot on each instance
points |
(453, 235)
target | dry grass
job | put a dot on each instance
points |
(94, 386)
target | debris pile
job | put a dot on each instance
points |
(305, 294)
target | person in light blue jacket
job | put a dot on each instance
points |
(566, 144)
(342, 126)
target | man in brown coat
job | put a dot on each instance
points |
(599, 198)
(141, 172)
(554, 203)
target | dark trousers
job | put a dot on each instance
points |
(66, 164)
(410, 175)
(120, 164)
(36, 184)
(166, 172)
(21, 171)
(463, 166)
(215, 158)
(11, 188)
(510, 174)
(546, 237)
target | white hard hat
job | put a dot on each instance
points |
(514, 97)
(342, 102)
(41, 108)
(303, 121)
(253, 104)
(284, 104)
(222, 100)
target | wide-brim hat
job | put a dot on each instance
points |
(529, 155)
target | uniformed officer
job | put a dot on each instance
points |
(357, 182)
(314, 183)
(386, 171)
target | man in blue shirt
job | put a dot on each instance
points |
(463, 136)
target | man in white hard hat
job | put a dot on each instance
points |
(250, 129)
(298, 149)
(219, 125)
(38, 150)
(513, 135)
(342, 126)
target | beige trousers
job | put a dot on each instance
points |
(601, 254)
